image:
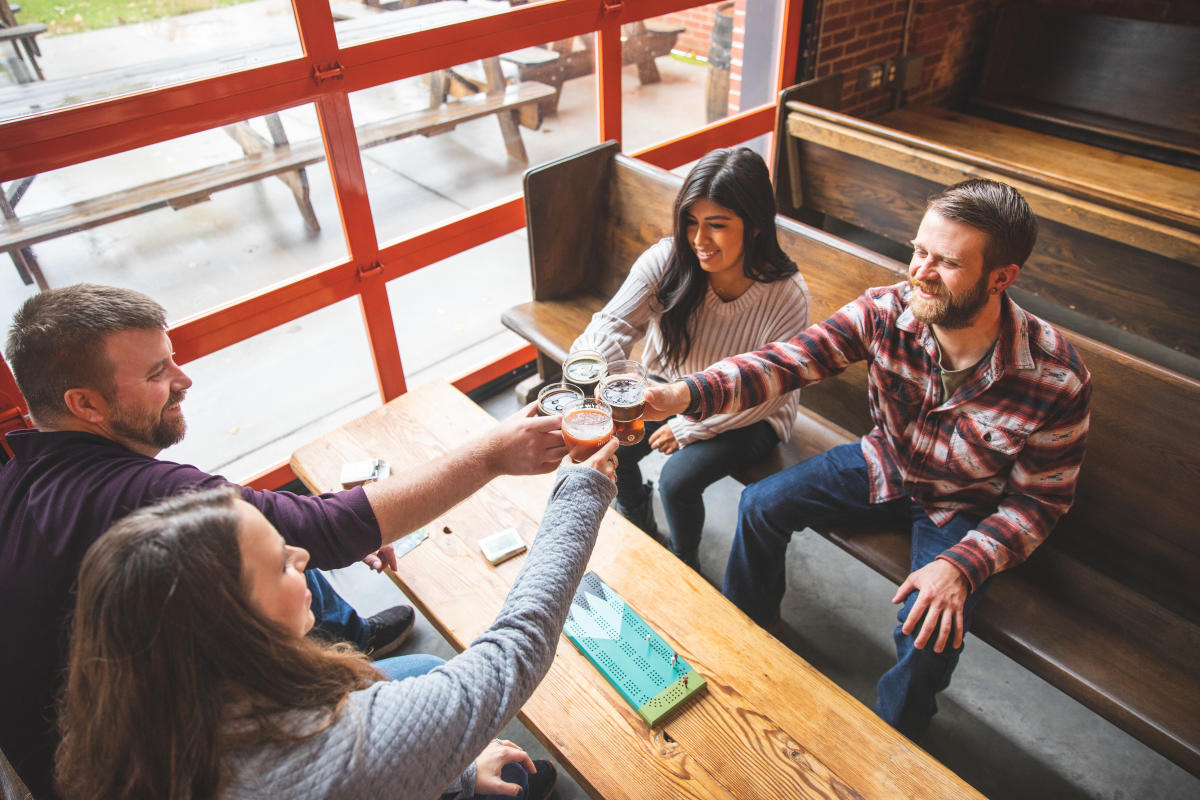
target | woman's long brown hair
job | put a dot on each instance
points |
(736, 178)
(171, 669)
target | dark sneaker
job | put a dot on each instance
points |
(640, 511)
(387, 630)
(541, 783)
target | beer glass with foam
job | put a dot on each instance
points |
(623, 389)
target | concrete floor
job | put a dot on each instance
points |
(1005, 731)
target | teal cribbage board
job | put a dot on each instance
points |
(613, 637)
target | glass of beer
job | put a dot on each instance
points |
(623, 389)
(584, 368)
(586, 425)
(554, 396)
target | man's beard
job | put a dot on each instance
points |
(948, 310)
(157, 431)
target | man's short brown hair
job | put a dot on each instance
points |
(998, 210)
(57, 341)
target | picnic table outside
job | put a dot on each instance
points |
(263, 157)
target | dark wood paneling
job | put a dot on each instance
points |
(563, 201)
(1127, 287)
(1133, 80)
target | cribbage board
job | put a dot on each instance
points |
(628, 652)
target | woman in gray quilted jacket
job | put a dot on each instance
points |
(191, 677)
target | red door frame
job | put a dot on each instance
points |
(325, 75)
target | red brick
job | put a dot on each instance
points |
(835, 24)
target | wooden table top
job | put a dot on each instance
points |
(1141, 181)
(769, 726)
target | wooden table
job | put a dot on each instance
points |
(769, 726)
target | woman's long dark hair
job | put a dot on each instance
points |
(736, 178)
(171, 668)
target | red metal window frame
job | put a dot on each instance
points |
(70, 136)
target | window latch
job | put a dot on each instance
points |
(329, 72)
(370, 270)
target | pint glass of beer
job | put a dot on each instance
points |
(584, 368)
(554, 396)
(586, 425)
(623, 389)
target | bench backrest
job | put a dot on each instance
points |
(1132, 82)
(1134, 517)
(1125, 270)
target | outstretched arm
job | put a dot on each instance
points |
(523, 444)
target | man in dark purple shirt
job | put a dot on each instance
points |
(95, 366)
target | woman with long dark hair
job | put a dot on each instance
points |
(720, 286)
(191, 676)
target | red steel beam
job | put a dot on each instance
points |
(723, 133)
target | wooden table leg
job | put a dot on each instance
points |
(23, 258)
(508, 118)
(296, 180)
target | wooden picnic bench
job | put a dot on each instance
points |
(24, 43)
(1119, 235)
(1106, 610)
(1123, 84)
(262, 157)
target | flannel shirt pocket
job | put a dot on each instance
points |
(979, 449)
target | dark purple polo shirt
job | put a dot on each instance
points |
(57, 495)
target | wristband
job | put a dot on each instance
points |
(693, 399)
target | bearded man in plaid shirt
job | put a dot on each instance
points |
(980, 414)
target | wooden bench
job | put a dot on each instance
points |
(1107, 610)
(1124, 84)
(21, 37)
(1120, 235)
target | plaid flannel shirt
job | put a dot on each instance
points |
(1007, 446)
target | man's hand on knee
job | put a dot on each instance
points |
(942, 590)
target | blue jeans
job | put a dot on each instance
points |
(687, 473)
(397, 668)
(833, 488)
(335, 619)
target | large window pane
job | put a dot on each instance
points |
(255, 402)
(194, 222)
(447, 316)
(687, 69)
(380, 19)
(437, 145)
(94, 49)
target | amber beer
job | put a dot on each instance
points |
(584, 368)
(623, 389)
(586, 426)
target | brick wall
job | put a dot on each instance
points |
(951, 35)
(699, 22)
